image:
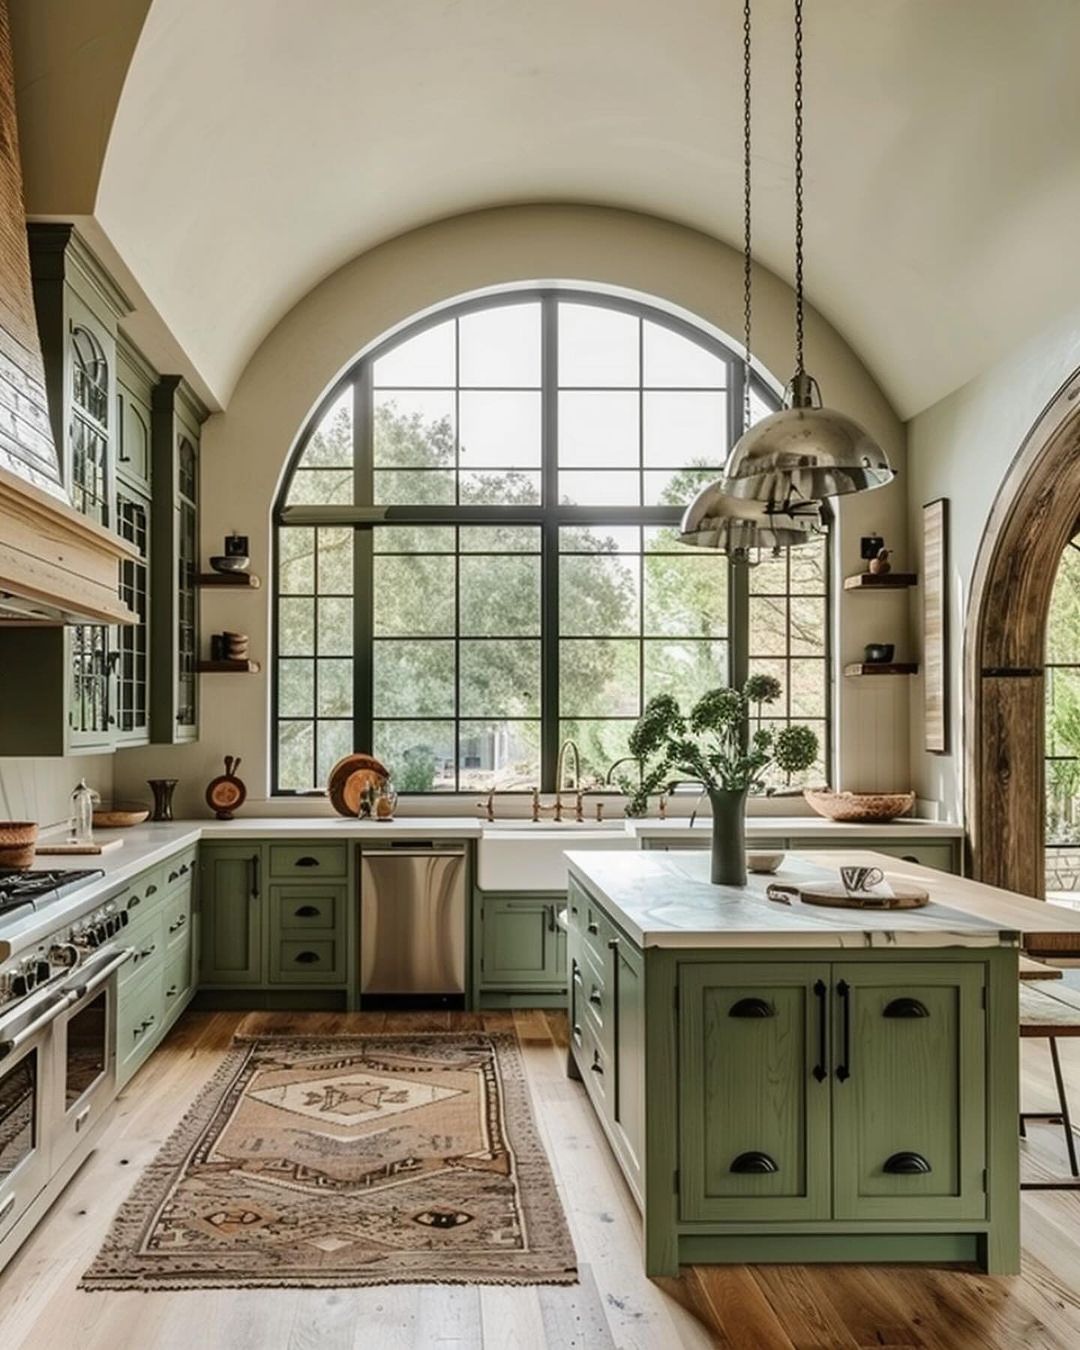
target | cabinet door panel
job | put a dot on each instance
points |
(914, 1093)
(522, 944)
(230, 883)
(749, 1040)
(627, 995)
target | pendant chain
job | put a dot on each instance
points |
(799, 365)
(747, 254)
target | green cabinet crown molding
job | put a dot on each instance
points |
(58, 252)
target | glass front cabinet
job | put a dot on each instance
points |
(128, 440)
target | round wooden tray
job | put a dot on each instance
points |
(348, 779)
(833, 893)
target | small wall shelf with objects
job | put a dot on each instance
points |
(859, 668)
(878, 581)
(228, 667)
(242, 581)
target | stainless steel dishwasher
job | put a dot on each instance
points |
(412, 925)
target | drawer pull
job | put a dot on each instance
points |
(135, 900)
(577, 1033)
(906, 1007)
(151, 890)
(595, 998)
(596, 1066)
(306, 861)
(306, 958)
(175, 927)
(575, 973)
(172, 991)
(173, 876)
(752, 1007)
(82, 1118)
(147, 951)
(755, 1161)
(593, 928)
(820, 1071)
(907, 1164)
(307, 911)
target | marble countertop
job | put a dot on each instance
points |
(800, 827)
(666, 900)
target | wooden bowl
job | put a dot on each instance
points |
(357, 771)
(851, 807)
(119, 817)
(17, 840)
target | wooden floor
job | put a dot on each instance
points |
(760, 1308)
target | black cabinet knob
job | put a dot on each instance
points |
(754, 1161)
(752, 1007)
(906, 1164)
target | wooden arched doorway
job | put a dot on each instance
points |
(1033, 518)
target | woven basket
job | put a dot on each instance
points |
(859, 806)
(17, 840)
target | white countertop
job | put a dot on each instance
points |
(801, 827)
(666, 900)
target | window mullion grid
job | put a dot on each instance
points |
(549, 542)
(364, 562)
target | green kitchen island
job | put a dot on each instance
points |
(791, 1083)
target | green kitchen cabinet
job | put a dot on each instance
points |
(626, 1039)
(176, 418)
(135, 381)
(908, 1093)
(522, 947)
(754, 1101)
(231, 914)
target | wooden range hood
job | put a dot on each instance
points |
(56, 566)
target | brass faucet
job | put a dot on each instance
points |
(556, 809)
(488, 806)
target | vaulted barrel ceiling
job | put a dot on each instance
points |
(259, 144)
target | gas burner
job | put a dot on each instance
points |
(35, 889)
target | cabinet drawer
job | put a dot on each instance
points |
(177, 870)
(307, 961)
(176, 981)
(145, 893)
(309, 860)
(147, 941)
(594, 1064)
(139, 1018)
(598, 934)
(594, 994)
(302, 909)
(177, 918)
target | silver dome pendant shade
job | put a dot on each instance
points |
(804, 452)
(741, 528)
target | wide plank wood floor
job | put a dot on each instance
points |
(744, 1308)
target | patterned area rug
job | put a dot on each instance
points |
(318, 1162)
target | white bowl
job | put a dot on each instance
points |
(764, 863)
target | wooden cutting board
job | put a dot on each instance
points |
(77, 850)
(833, 893)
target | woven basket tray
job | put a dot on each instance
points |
(859, 806)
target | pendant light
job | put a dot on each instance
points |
(804, 452)
(715, 518)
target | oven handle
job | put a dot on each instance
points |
(50, 1014)
(99, 977)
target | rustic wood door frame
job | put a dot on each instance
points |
(1032, 520)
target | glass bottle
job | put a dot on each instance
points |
(82, 813)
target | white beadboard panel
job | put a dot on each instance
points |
(873, 741)
(40, 789)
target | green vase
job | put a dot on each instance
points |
(728, 837)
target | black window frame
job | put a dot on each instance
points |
(363, 515)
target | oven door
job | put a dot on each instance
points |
(84, 1037)
(25, 1089)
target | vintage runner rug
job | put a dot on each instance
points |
(319, 1162)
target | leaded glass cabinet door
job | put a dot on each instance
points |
(132, 641)
(187, 567)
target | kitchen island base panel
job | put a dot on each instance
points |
(831, 1197)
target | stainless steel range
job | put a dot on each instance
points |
(59, 955)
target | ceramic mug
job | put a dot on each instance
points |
(858, 880)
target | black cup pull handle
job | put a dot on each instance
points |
(820, 1070)
(151, 889)
(306, 861)
(752, 1007)
(307, 912)
(843, 1069)
(754, 1161)
(593, 928)
(306, 958)
(595, 999)
(907, 1164)
(906, 1007)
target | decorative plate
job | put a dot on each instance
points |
(349, 778)
(226, 793)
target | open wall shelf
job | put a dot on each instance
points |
(870, 581)
(237, 581)
(860, 668)
(228, 667)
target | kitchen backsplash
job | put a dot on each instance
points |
(40, 789)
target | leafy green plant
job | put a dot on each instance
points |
(722, 743)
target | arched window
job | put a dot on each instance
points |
(476, 554)
(1063, 728)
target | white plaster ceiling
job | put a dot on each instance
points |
(259, 144)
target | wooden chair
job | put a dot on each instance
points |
(1049, 1013)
